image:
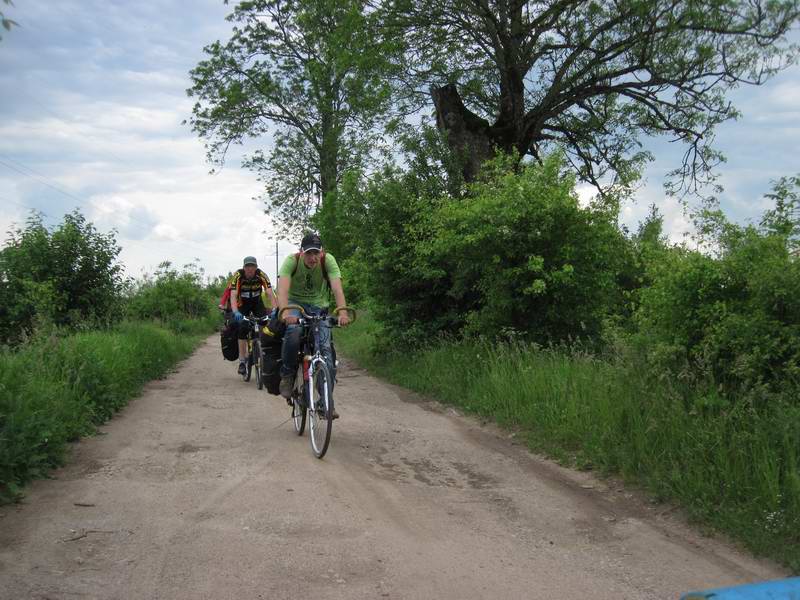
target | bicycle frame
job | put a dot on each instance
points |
(310, 354)
(254, 358)
(304, 399)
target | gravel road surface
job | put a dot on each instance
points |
(200, 489)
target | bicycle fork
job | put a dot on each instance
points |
(321, 397)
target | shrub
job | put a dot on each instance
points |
(171, 295)
(66, 275)
(516, 253)
(521, 253)
(730, 321)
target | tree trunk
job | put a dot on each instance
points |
(468, 135)
(329, 153)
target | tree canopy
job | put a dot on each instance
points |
(314, 73)
(5, 22)
(591, 77)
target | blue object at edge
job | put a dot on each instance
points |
(779, 589)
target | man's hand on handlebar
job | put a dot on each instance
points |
(237, 316)
(287, 318)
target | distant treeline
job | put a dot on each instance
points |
(69, 277)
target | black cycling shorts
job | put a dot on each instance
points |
(257, 308)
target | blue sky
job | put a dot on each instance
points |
(93, 96)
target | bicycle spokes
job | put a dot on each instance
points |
(320, 408)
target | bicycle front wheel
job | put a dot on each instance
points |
(257, 364)
(320, 409)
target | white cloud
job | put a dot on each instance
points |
(94, 97)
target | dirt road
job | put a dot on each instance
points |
(200, 489)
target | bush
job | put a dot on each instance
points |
(170, 295)
(383, 269)
(66, 276)
(522, 254)
(516, 253)
(730, 322)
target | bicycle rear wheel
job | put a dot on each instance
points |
(257, 366)
(320, 410)
(248, 361)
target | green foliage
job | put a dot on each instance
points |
(67, 276)
(731, 321)
(521, 253)
(393, 222)
(217, 285)
(695, 395)
(171, 296)
(592, 78)
(516, 253)
(314, 71)
(57, 388)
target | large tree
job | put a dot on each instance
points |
(312, 73)
(591, 76)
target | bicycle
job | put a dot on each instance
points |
(312, 397)
(254, 354)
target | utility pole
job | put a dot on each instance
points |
(277, 264)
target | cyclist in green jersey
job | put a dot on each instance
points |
(306, 279)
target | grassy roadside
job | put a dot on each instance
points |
(730, 466)
(56, 389)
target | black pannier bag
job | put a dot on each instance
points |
(229, 341)
(271, 342)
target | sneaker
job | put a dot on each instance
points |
(287, 385)
(242, 368)
(321, 412)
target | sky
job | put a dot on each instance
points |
(92, 100)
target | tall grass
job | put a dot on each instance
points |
(56, 388)
(729, 465)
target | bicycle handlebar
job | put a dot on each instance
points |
(334, 319)
(350, 311)
(291, 307)
(254, 319)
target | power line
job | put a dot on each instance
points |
(43, 179)
(38, 178)
(52, 184)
